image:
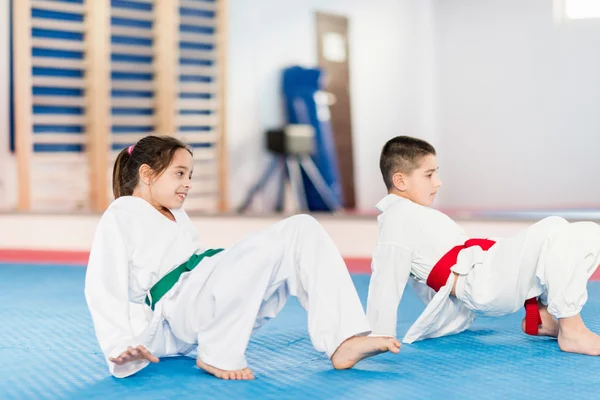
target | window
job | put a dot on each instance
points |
(581, 9)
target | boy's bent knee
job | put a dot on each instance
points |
(554, 221)
(304, 219)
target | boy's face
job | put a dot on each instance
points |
(422, 184)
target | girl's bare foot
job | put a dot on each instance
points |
(357, 348)
(575, 337)
(549, 325)
(240, 375)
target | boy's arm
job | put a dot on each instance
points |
(390, 272)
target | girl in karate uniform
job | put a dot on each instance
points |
(153, 290)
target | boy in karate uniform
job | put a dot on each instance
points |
(546, 266)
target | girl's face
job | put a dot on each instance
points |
(170, 188)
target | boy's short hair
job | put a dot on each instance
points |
(402, 154)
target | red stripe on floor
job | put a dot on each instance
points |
(44, 256)
(356, 265)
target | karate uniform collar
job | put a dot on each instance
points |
(389, 200)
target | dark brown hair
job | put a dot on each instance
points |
(155, 151)
(402, 154)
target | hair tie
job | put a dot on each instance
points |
(130, 149)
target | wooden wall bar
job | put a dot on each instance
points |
(94, 76)
(97, 60)
(23, 100)
(166, 63)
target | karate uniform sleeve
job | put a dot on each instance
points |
(390, 272)
(423, 292)
(106, 293)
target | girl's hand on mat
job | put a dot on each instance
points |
(134, 354)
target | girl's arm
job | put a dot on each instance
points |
(106, 293)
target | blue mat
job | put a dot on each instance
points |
(48, 351)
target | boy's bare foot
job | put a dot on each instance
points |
(240, 375)
(357, 348)
(575, 337)
(549, 325)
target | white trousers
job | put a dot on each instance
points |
(552, 259)
(250, 284)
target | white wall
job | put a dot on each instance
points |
(7, 171)
(517, 105)
(388, 65)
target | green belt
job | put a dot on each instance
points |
(165, 283)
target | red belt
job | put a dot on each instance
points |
(441, 271)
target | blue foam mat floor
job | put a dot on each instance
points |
(48, 351)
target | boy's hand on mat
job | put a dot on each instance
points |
(134, 354)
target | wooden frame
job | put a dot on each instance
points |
(97, 59)
(23, 101)
(166, 64)
(222, 8)
(97, 104)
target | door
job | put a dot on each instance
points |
(333, 48)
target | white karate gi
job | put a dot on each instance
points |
(217, 305)
(552, 259)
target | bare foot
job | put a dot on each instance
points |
(575, 337)
(357, 348)
(240, 375)
(549, 325)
